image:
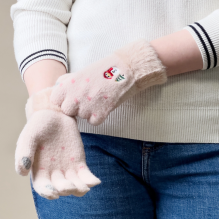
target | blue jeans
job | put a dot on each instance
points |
(142, 179)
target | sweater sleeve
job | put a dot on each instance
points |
(206, 34)
(40, 31)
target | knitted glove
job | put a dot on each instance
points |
(95, 91)
(50, 146)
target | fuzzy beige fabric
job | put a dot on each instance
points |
(144, 63)
(40, 101)
(50, 146)
(98, 89)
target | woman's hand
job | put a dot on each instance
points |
(95, 91)
(50, 146)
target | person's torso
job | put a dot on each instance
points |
(99, 27)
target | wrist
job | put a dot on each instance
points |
(178, 52)
(143, 61)
(43, 74)
(40, 101)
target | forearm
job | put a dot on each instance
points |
(178, 52)
(43, 74)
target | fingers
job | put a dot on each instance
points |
(75, 184)
(60, 185)
(87, 177)
(43, 185)
(64, 187)
(37, 128)
(99, 117)
(96, 119)
(82, 188)
(58, 94)
(22, 166)
(72, 183)
(59, 90)
(70, 107)
(25, 150)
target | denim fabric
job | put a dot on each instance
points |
(142, 179)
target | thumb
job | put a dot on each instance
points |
(27, 144)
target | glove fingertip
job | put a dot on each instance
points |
(95, 182)
(69, 108)
(93, 120)
(23, 166)
(54, 99)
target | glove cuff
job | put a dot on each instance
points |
(40, 101)
(144, 63)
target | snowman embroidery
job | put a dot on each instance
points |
(111, 72)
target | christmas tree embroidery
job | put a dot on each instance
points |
(120, 77)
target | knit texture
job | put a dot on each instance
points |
(36, 20)
(185, 109)
(98, 89)
(40, 101)
(144, 63)
(206, 33)
(50, 146)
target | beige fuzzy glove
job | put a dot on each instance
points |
(50, 146)
(98, 89)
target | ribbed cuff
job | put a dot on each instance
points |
(41, 55)
(40, 31)
(206, 34)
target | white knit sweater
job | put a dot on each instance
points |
(77, 33)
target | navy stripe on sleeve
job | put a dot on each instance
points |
(204, 45)
(210, 42)
(47, 54)
(32, 57)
